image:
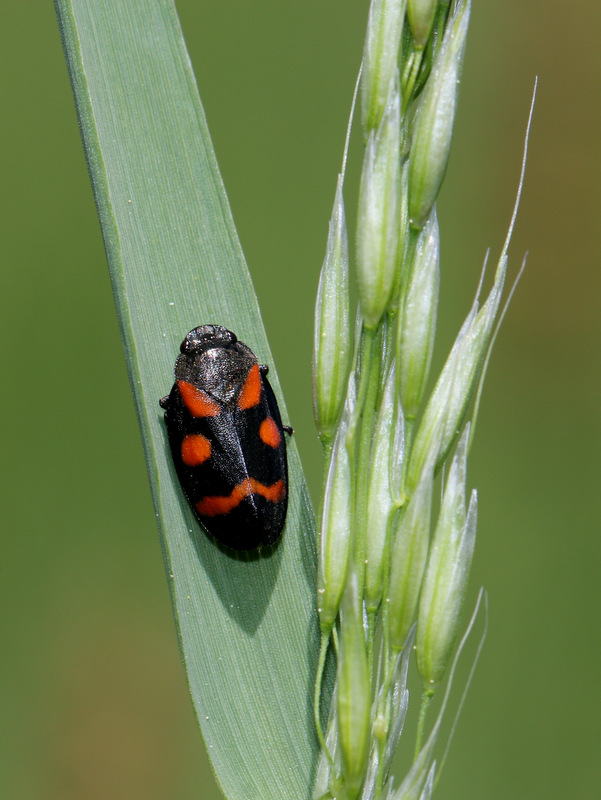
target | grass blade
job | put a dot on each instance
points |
(246, 625)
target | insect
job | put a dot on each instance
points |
(227, 439)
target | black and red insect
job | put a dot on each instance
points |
(227, 439)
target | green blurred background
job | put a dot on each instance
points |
(93, 696)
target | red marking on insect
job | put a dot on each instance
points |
(198, 403)
(212, 506)
(196, 449)
(250, 395)
(269, 433)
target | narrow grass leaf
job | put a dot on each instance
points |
(247, 625)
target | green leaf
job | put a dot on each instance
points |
(247, 624)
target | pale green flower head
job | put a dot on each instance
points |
(392, 574)
(336, 522)
(354, 692)
(378, 230)
(433, 130)
(417, 318)
(380, 58)
(408, 562)
(420, 14)
(332, 347)
(446, 575)
(380, 505)
(451, 396)
(404, 238)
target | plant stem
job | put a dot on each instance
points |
(425, 704)
(323, 650)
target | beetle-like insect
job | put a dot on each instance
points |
(227, 439)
